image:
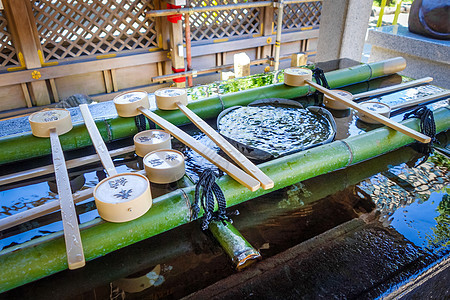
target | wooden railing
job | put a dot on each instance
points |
(50, 50)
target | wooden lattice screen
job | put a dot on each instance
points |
(8, 55)
(74, 28)
(223, 24)
(301, 15)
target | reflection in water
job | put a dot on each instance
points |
(441, 232)
(424, 224)
(23, 198)
(140, 283)
(414, 200)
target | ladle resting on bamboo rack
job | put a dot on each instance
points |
(51, 123)
(171, 99)
(120, 197)
(333, 104)
(135, 103)
(385, 110)
(303, 76)
(390, 89)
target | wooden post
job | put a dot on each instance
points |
(26, 41)
(267, 31)
(277, 49)
(162, 27)
(171, 30)
(177, 50)
(163, 36)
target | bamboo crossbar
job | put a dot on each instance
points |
(41, 210)
(192, 10)
(45, 170)
(393, 88)
(421, 100)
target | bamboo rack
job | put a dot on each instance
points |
(44, 256)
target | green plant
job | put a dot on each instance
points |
(441, 232)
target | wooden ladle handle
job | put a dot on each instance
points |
(382, 119)
(229, 149)
(236, 173)
(393, 88)
(421, 100)
(72, 237)
(97, 140)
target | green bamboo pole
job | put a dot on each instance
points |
(36, 259)
(240, 251)
(26, 146)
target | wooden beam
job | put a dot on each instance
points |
(84, 67)
(108, 81)
(17, 13)
(26, 94)
(114, 80)
(237, 45)
(162, 27)
(54, 90)
(160, 68)
(267, 31)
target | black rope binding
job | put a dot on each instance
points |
(209, 190)
(427, 127)
(320, 78)
(140, 121)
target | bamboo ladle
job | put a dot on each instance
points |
(393, 88)
(172, 99)
(51, 123)
(386, 110)
(135, 103)
(119, 197)
(303, 76)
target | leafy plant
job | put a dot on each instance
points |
(441, 232)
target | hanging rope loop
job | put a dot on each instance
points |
(319, 76)
(427, 124)
(427, 127)
(206, 191)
